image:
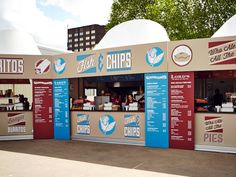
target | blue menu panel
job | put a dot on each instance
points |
(156, 110)
(61, 109)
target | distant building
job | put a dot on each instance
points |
(85, 37)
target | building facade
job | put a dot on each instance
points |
(85, 37)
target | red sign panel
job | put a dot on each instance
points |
(42, 109)
(181, 112)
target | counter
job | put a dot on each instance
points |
(16, 125)
(109, 126)
(215, 132)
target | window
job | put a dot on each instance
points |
(93, 42)
(87, 48)
(92, 37)
(81, 44)
(87, 32)
(93, 31)
(87, 43)
(70, 45)
(87, 38)
(81, 39)
(76, 34)
(81, 50)
(76, 45)
(70, 35)
(76, 39)
(76, 50)
(81, 33)
(70, 40)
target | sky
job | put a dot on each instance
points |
(48, 20)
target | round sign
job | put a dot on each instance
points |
(107, 124)
(59, 65)
(155, 56)
(182, 55)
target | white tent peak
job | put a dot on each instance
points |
(133, 32)
(17, 42)
(227, 29)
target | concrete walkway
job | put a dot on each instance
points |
(50, 158)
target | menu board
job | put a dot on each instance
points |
(181, 99)
(156, 110)
(61, 109)
(42, 108)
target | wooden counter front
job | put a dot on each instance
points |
(110, 127)
(215, 132)
(16, 125)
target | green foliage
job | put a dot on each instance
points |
(183, 19)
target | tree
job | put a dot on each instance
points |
(183, 19)
(125, 10)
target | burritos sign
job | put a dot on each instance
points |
(11, 66)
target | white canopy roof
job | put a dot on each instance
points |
(227, 29)
(17, 42)
(132, 33)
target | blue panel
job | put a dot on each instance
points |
(156, 110)
(61, 109)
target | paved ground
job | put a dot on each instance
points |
(50, 158)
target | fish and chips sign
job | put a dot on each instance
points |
(11, 66)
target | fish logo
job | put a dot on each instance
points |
(59, 65)
(107, 124)
(155, 57)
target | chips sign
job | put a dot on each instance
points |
(11, 66)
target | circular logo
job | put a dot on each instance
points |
(59, 65)
(107, 124)
(155, 56)
(182, 55)
(42, 66)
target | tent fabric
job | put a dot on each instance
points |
(227, 29)
(17, 42)
(133, 32)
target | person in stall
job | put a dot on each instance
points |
(26, 104)
(130, 99)
(217, 98)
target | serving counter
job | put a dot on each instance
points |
(16, 125)
(215, 132)
(110, 127)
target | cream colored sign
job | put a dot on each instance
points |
(11, 65)
(113, 125)
(222, 54)
(215, 129)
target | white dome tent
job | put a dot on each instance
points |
(17, 42)
(132, 33)
(227, 29)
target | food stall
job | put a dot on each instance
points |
(18, 92)
(207, 69)
(100, 83)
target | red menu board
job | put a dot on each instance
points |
(42, 109)
(181, 111)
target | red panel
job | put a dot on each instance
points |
(214, 44)
(181, 112)
(42, 109)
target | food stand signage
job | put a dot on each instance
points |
(42, 108)
(156, 110)
(16, 123)
(213, 129)
(132, 126)
(223, 52)
(83, 124)
(61, 109)
(11, 66)
(181, 103)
